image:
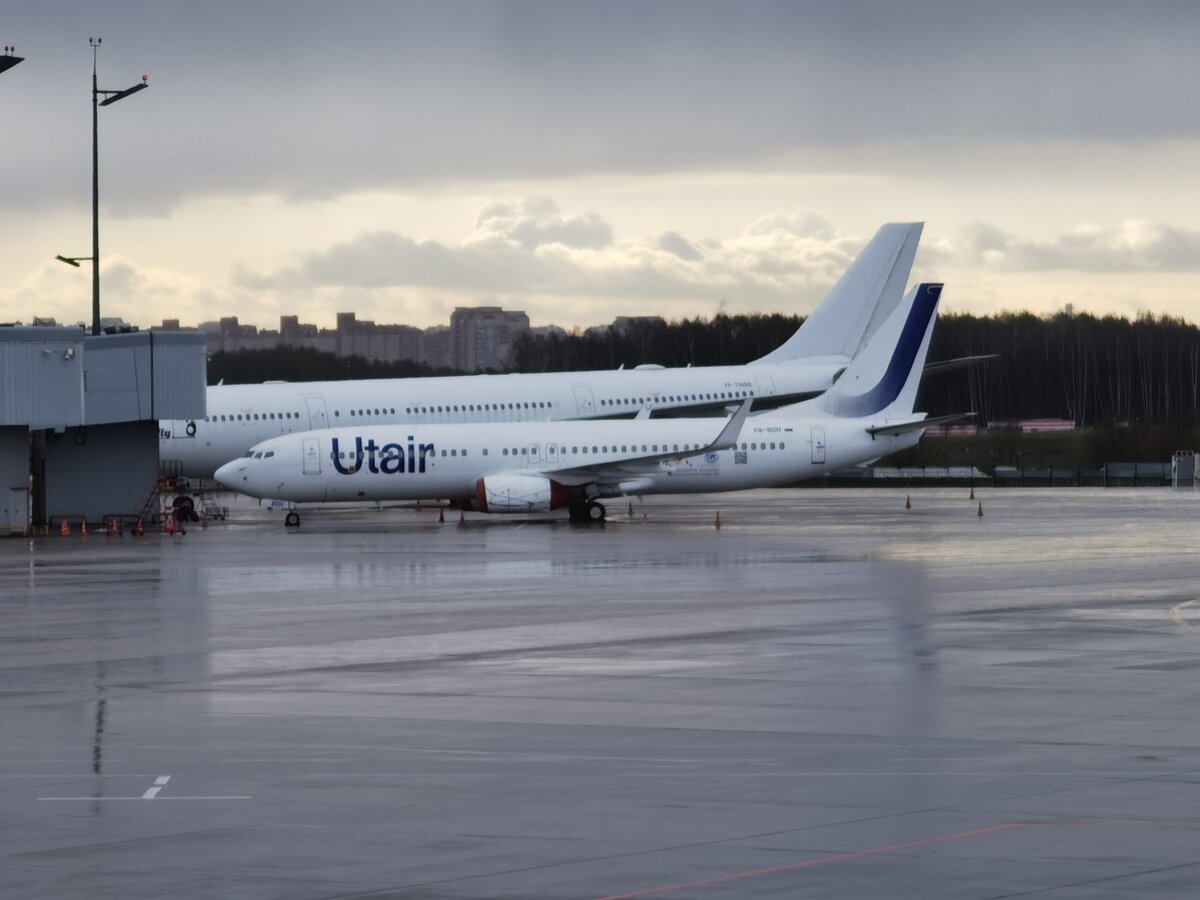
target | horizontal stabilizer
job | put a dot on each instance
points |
(895, 429)
(961, 362)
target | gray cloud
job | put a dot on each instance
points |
(536, 222)
(1133, 246)
(527, 247)
(676, 244)
(303, 98)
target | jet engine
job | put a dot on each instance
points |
(515, 493)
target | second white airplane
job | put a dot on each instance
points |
(539, 466)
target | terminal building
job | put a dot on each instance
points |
(79, 420)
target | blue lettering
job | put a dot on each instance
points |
(388, 459)
(337, 457)
(391, 459)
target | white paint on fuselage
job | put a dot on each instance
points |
(240, 416)
(770, 451)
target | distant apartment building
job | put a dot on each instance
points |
(481, 336)
(478, 338)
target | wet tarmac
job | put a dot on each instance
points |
(830, 696)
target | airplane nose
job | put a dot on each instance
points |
(228, 474)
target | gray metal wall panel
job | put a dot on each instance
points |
(41, 382)
(14, 479)
(111, 383)
(100, 470)
(180, 375)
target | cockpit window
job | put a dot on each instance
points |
(249, 454)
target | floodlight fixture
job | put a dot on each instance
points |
(8, 60)
(121, 95)
(72, 260)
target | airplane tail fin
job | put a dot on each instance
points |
(884, 377)
(861, 300)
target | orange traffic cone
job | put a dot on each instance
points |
(441, 517)
(138, 530)
(64, 529)
(462, 520)
(908, 501)
(972, 497)
(630, 512)
(980, 513)
(170, 525)
(717, 523)
(83, 528)
(119, 525)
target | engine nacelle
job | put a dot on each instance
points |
(513, 493)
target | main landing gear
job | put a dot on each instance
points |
(292, 519)
(586, 512)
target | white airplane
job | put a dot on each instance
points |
(539, 466)
(240, 416)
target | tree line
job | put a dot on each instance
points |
(1092, 370)
(288, 363)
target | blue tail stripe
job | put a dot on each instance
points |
(884, 393)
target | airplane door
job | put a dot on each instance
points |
(552, 453)
(766, 387)
(316, 412)
(534, 456)
(584, 404)
(311, 453)
(818, 446)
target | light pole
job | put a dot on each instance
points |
(109, 97)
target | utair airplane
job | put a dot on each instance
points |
(525, 467)
(240, 416)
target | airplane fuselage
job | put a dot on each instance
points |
(240, 416)
(448, 462)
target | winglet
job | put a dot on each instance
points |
(729, 434)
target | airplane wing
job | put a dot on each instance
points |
(617, 470)
(895, 429)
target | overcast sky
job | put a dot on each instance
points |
(586, 160)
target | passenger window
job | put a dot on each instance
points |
(454, 453)
(505, 451)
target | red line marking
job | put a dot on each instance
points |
(824, 860)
